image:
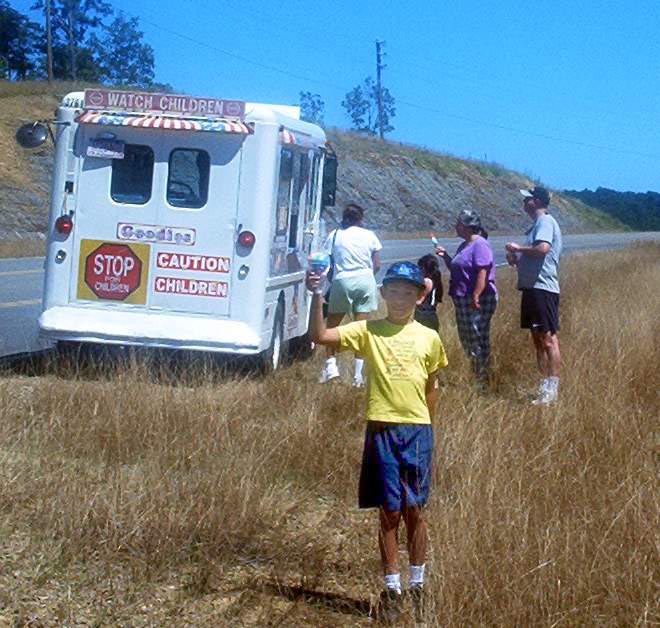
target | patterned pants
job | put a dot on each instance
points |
(474, 330)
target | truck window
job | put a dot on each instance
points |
(132, 176)
(300, 177)
(188, 178)
(295, 203)
(312, 185)
(284, 192)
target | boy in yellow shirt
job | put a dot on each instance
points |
(403, 359)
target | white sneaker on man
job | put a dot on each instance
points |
(358, 381)
(330, 372)
(545, 398)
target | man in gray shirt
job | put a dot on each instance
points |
(538, 280)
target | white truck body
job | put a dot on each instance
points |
(190, 225)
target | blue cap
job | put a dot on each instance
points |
(404, 271)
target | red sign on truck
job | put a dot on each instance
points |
(113, 271)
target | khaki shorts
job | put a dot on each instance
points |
(353, 295)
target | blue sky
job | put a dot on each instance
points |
(564, 91)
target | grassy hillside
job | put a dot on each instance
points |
(24, 175)
(404, 188)
(127, 499)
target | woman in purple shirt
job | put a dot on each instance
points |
(472, 288)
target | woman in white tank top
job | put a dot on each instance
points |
(355, 262)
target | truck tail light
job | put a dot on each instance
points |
(64, 225)
(246, 239)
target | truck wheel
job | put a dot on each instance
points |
(302, 347)
(272, 358)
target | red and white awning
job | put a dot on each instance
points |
(298, 139)
(169, 123)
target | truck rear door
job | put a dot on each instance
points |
(155, 219)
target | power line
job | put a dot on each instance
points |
(238, 57)
(469, 77)
(512, 129)
(488, 95)
(402, 102)
(465, 71)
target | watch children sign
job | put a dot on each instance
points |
(173, 104)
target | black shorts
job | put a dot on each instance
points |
(539, 310)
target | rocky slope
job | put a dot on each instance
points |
(404, 189)
(408, 189)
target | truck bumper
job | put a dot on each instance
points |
(158, 329)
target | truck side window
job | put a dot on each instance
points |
(132, 176)
(188, 178)
(284, 192)
(298, 184)
(312, 187)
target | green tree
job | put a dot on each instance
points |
(19, 44)
(361, 105)
(73, 22)
(125, 58)
(638, 210)
(311, 107)
(357, 107)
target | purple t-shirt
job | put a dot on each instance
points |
(469, 259)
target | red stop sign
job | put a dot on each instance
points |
(113, 271)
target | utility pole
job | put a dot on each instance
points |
(379, 87)
(49, 43)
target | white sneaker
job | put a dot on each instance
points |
(330, 371)
(358, 381)
(545, 398)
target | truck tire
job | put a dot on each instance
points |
(274, 356)
(302, 347)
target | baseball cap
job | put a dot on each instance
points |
(404, 271)
(469, 218)
(538, 193)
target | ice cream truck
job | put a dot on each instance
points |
(181, 222)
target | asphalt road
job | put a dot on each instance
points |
(21, 285)
(21, 280)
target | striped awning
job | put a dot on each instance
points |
(169, 123)
(299, 139)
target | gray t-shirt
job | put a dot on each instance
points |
(541, 272)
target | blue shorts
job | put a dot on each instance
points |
(396, 465)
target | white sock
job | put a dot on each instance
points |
(543, 386)
(393, 581)
(416, 575)
(552, 385)
(332, 360)
(359, 365)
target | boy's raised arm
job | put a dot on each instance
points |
(318, 331)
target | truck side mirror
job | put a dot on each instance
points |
(329, 181)
(32, 135)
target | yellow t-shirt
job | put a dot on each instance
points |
(400, 359)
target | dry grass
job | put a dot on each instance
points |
(224, 500)
(22, 102)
